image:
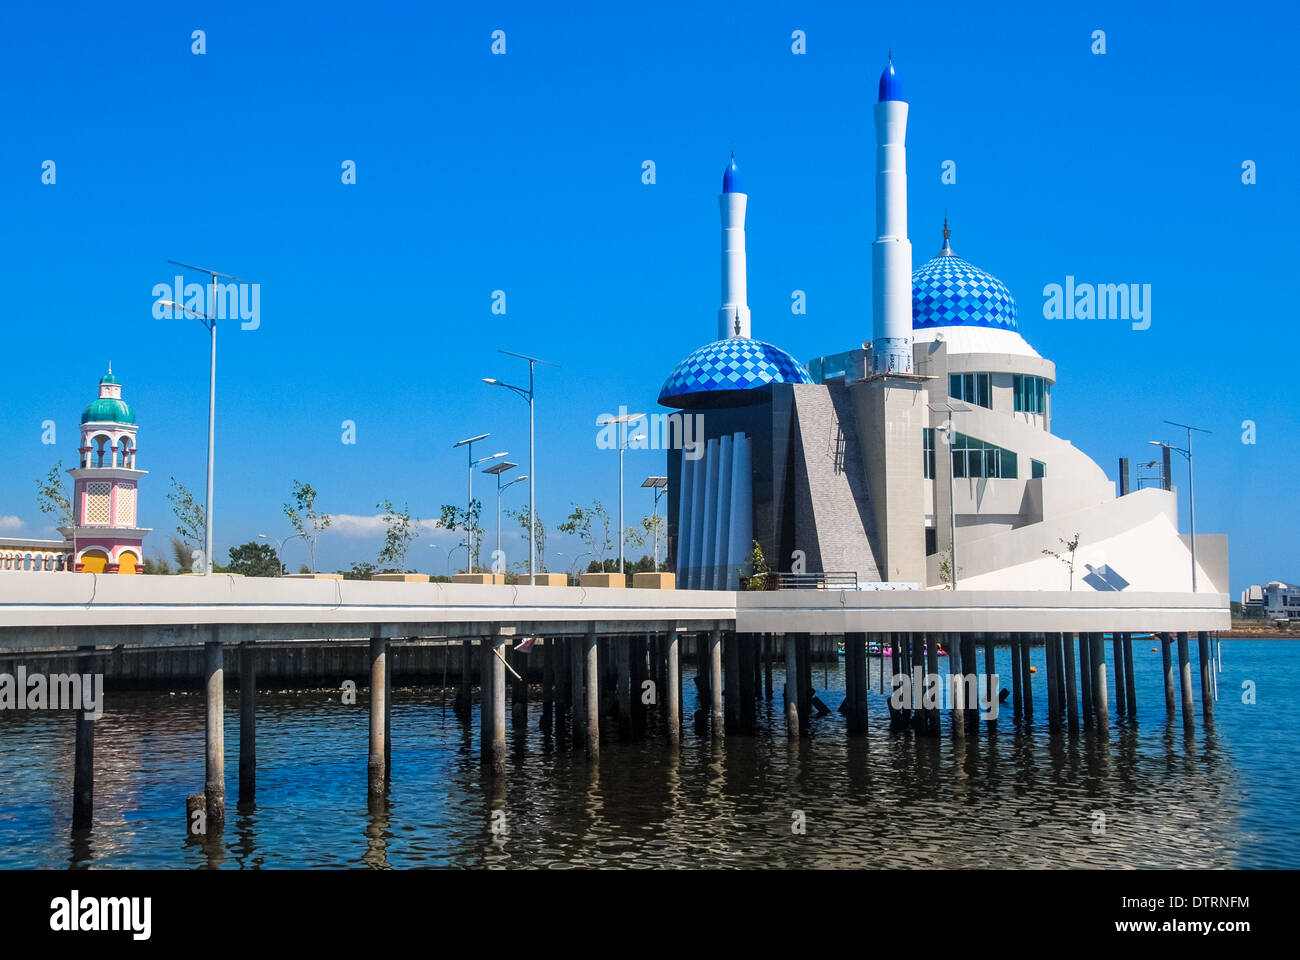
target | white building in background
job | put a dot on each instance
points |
(1275, 600)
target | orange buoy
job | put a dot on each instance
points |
(1033, 669)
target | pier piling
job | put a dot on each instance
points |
(1099, 693)
(1053, 690)
(672, 692)
(1121, 691)
(247, 722)
(792, 685)
(1185, 674)
(464, 689)
(376, 765)
(214, 781)
(1017, 680)
(1207, 680)
(1130, 682)
(83, 774)
(1071, 688)
(591, 686)
(497, 700)
(1085, 678)
(990, 677)
(1171, 706)
(716, 715)
(1027, 686)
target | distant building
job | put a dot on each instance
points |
(1275, 600)
(105, 536)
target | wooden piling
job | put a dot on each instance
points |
(247, 722)
(375, 763)
(716, 714)
(214, 783)
(1207, 680)
(591, 682)
(672, 692)
(1071, 688)
(1130, 682)
(792, 686)
(1171, 707)
(1185, 673)
(1101, 709)
(83, 771)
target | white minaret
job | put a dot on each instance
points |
(733, 315)
(891, 253)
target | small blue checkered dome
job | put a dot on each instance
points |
(890, 88)
(719, 374)
(731, 178)
(949, 292)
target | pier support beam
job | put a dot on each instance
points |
(767, 665)
(83, 772)
(990, 678)
(1053, 689)
(214, 781)
(1185, 672)
(623, 684)
(1121, 700)
(1071, 688)
(1085, 678)
(497, 699)
(247, 722)
(791, 686)
(376, 763)
(1171, 706)
(1207, 680)
(1099, 693)
(464, 689)
(672, 692)
(518, 659)
(716, 715)
(1130, 682)
(953, 642)
(1017, 679)
(548, 684)
(485, 714)
(591, 685)
(1027, 677)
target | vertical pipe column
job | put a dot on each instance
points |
(464, 692)
(990, 678)
(485, 712)
(376, 764)
(716, 715)
(932, 669)
(500, 642)
(548, 683)
(1207, 680)
(83, 775)
(247, 722)
(577, 690)
(803, 647)
(731, 680)
(850, 709)
(623, 684)
(591, 669)
(518, 659)
(1027, 677)
(1017, 679)
(214, 783)
(1185, 672)
(1167, 662)
(1099, 692)
(791, 686)
(958, 692)
(1130, 682)
(1053, 700)
(767, 666)
(970, 665)
(1085, 677)
(745, 643)
(1071, 695)
(1121, 702)
(673, 687)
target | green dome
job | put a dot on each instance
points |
(109, 378)
(108, 410)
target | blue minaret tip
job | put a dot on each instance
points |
(731, 178)
(890, 88)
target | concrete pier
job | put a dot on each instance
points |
(1185, 673)
(1017, 680)
(591, 683)
(672, 692)
(1207, 680)
(548, 684)
(716, 714)
(623, 685)
(497, 700)
(464, 687)
(1085, 678)
(1071, 688)
(990, 682)
(1027, 686)
(214, 781)
(792, 684)
(485, 714)
(376, 762)
(83, 771)
(1130, 682)
(247, 722)
(1121, 691)
(518, 683)
(958, 723)
(1053, 690)
(1167, 662)
(1101, 708)
(578, 691)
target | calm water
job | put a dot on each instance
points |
(1013, 799)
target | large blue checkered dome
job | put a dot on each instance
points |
(949, 292)
(724, 373)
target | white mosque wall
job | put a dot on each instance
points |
(716, 515)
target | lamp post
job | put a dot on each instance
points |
(468, 444)
(279, 546)
(950, 407)
(1191, 481)
(211, 323)
(660, 487)
(532, 467)
(497, 470)
(620, 425)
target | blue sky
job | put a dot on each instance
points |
(523, 173)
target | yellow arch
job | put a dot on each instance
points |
(128, 562)
(94, 561)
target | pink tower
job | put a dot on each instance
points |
(106, 537)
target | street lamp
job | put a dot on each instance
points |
(1191, 482)
(468, 444)
(621, 423)
(532, 467)
(660, 487)
(497, 470)
(279, 546)
(946, 427)
(211, 323)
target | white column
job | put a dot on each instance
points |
(734, 309)
(697, 515)
(708, 541)
(722, 524)
(742, 515)
(891, 253)
(685, 518)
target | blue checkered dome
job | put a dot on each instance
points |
(949, 292)
(717, 373)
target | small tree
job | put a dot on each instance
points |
(652, 529)
(459, 518)
(591, 526)
(521, 517)
(305, 519)
(758, 568)
(191, 524)
(254, 559)
(362, 570)
(52, 497)
(1070, 546)
(399, 532)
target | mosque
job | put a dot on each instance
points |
(923, 458)
(104, 536)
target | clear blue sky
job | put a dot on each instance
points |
(523, 173)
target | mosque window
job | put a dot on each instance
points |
(1031, 394)
(1037, 469)
(971, 387)
(927, 442)
(976, 458)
